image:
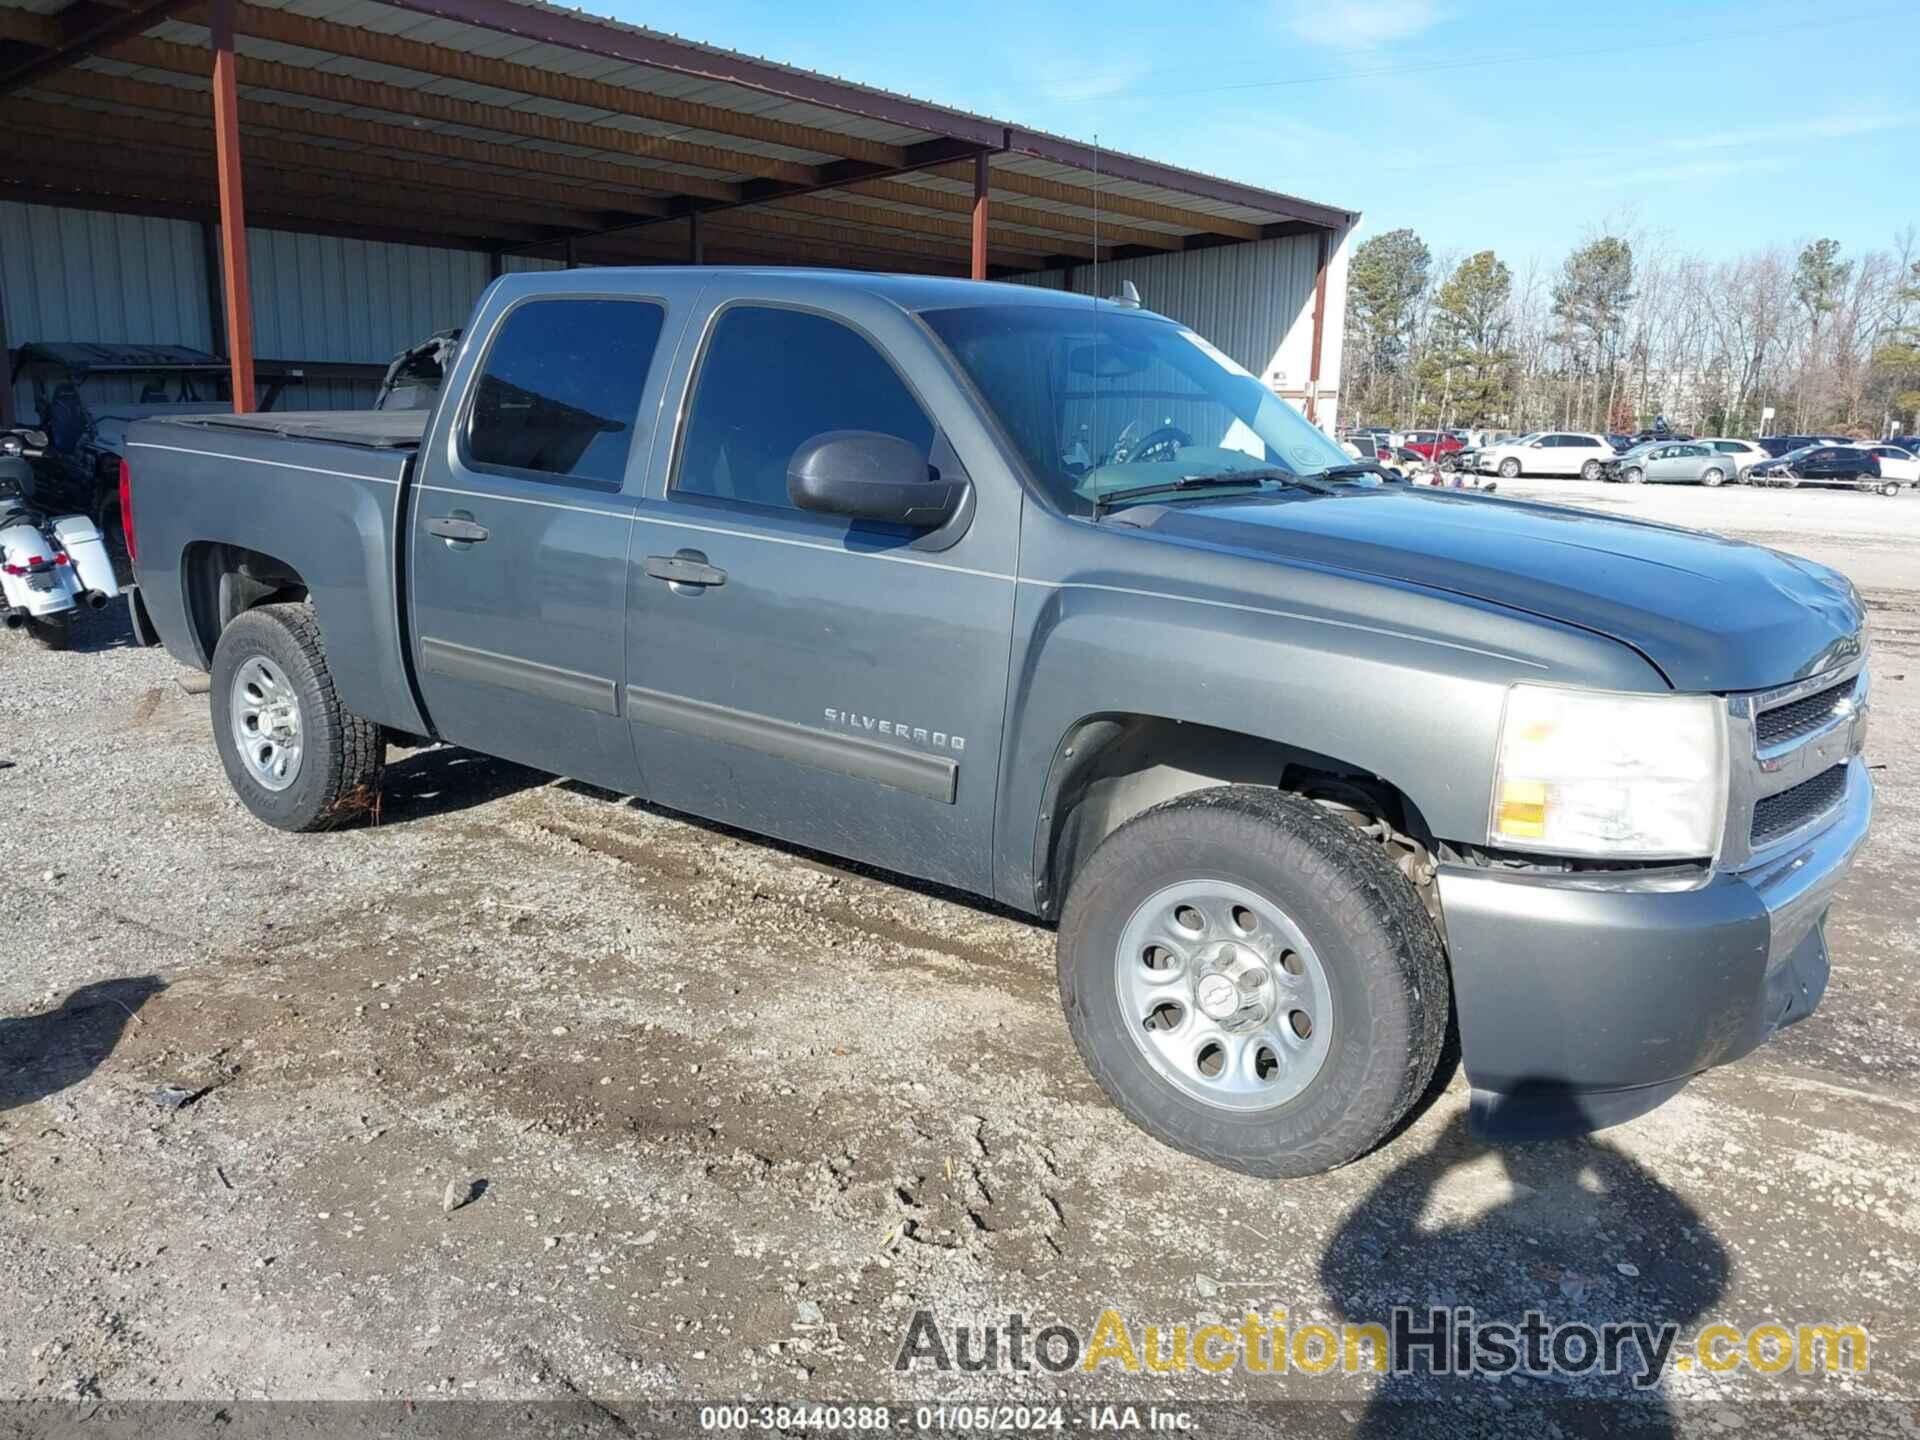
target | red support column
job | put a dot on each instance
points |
(1319, 327)
(980, 216)
(233, 208)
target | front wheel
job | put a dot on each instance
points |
(1889, 487)
(1509, 469)
(1590, 470)
(296, 758)
(1713, 478)
(1252, 981)
(1634, 475)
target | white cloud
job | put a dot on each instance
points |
(1357, 24)
(1069, 81)
(1821, 127)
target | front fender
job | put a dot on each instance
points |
(1391, 680)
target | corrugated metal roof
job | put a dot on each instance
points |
(655, 152)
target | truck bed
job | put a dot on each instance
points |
(375, 429)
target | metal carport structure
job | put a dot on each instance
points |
(522, 129)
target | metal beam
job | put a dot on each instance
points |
(958, 233)
(576, 31)
(233, 210)
(80, 29)
(953, 202)
(71, 124)
(439, 60)
(1013, 182)
(1319, 326)
(416, 104)
(125, 196)
(980, 190)
(294, 192)
(255, 114)
(1131, 168)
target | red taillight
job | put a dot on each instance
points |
(126, 508)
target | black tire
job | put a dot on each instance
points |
(342, 755)
(1590, 470)
(1634, 475)
(1713, 477)
(1380, 953)
(1509, 469)
(54, 632)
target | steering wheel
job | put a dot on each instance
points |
(1162, 444)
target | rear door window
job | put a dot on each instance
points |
(772, 379)
(558, 393)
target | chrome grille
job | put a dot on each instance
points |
(1800, 717)
(1787, 811)
(1790, 752)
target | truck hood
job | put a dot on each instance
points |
(1710, 614)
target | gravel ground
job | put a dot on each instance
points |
(723, 1115)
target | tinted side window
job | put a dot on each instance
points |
(559, 390)
(770, 381)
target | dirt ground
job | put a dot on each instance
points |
(723, 1115)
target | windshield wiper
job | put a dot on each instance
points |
(1227, 480)
(1354, 471)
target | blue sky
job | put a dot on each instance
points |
(1710, 127)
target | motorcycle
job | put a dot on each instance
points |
(49, 566)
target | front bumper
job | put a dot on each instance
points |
(1585, 1000)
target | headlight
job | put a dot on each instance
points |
(9, 445)
(1625, 777)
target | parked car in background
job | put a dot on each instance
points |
(1431, 444)
(1848, 465)
(1621, 443)
(1670, 462)
(1779, 445)
(1549, 452)
(1897, 462)
(1743, 455)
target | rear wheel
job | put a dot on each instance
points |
(1713, 477)
(1252, 981)
(1509, 469)
(296, 758)
(1590, 470)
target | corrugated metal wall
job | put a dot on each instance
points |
(85, 275)
(1254, 301)
(82, 275)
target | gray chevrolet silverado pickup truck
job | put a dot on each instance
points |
(1050, 601)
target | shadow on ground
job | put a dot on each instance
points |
(41, 1055)
(1557, 1233)
(443, 780)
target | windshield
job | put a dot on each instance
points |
(1099, 402)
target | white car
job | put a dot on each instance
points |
(1743, 454)
(1896, 463)
(1547, 452)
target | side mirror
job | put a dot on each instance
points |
(865, 475)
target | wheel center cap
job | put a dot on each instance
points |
(1219, 997)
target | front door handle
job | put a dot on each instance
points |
(459, 528)
(687, 571)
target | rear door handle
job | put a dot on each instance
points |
(686, 570)
(456, 527)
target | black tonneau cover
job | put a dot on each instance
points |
(377, 429)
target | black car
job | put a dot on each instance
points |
(1822, 465)
(1778, 445)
